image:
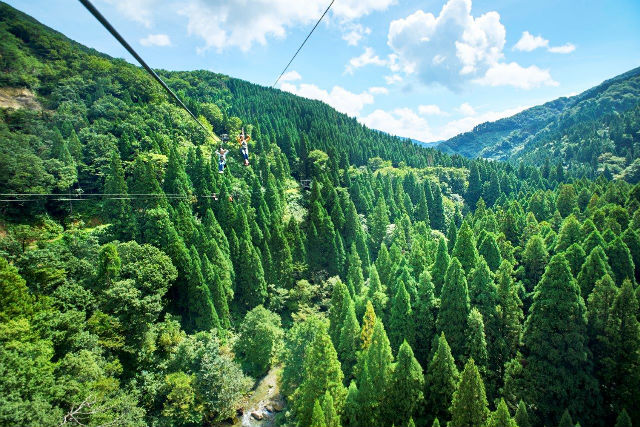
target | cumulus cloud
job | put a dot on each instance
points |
(529, 42)
(401, 121)
(450, 48)
(353, 33)
(138, 11)
(368, 57)
(430, 110)
(513, 74)
(393, 79)
(339, 98)
(565, 48)
(156, 40)
(378, 90)
(231, 23)
(290, 76)
(465, 124)
(466, 109)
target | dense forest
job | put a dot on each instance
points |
(594, 132)
(385, 283)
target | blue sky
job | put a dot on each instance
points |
(422, 69)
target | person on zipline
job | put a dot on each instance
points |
(222, 159)
(244, 147)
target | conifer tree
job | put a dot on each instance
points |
(322, 373)
(534, 261)
(349, 342)
(351, 412)
(437, 212)
(469, 407)
(594, 239)
(632, 240)
(522, 416)
(378, 224)
(454, 308)
(405, 388)
(368, 323)
(425, 313)
(421, 212)
(251, 288)
(201, 311)
(282, 262)
(549, 350)
(436, 423)
(491, 191)
(620, 261)
(575, 257)
(570, 233)
(401, 326)
(452, 236)
(501, 417)
(565, 420)
(355, 277)
(441, 380)
(440, 266)
(622, 364)
(375, 293)
(593, 269)
(317, 417)
(510, 317)
(118, 209)
(623, 420)
(490, 251)
(474, 191)
(337, 311)
(465, 250)
(385, 266)
(218, 291)
(476, 345)
(329, 410)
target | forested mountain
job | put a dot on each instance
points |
(597, 129)
(381, 282)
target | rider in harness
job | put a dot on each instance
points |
(244, 147)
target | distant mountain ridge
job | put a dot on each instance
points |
(533, 133)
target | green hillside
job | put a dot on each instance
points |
(369, 280)
(589, 132)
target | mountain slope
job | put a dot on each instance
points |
(557, 130)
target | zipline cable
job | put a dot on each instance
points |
(300, 48)
(106, 24)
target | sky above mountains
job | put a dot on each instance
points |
(421, 69)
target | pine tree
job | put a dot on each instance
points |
(441, 380)
(351, 413)
(454, 308)
(251, 288)
(282, 262)
(474, 191)
(338, 310)
(378, 224)
(317, 417)
(425, 313)
(465, 249)
(575, 257)
(620, 261)
(202, 314)
(405, 388)
(476, 345)
(594, 239)
(632, 240)
(510, 317)
(570, 233)
(567, 199)
(15, 299)
(385, 267)
(558, 371)
(490, 251)
(565, 420)
(437, 212)
(322, 373)
(322, 246)
(522, 416)
(401, 326)
(501, 417)
(440, 266)
(421, 212)
(349, 342)
(491, 191)
(218, 291)
(469, 407)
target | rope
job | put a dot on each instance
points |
(106, 24)
(300, 48)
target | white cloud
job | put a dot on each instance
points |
(290, 76)
(137, 10)
(513, 74)
(353, 33)
(378, 90)
(368, 57)
(450, 48)
(235, 23)
(339, 98)
(393, 79)
(529, 42)
(156, 40)
(401, 121)
(565, 48)
(430, 110)
(466, 109)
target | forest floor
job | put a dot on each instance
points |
(265, 401)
